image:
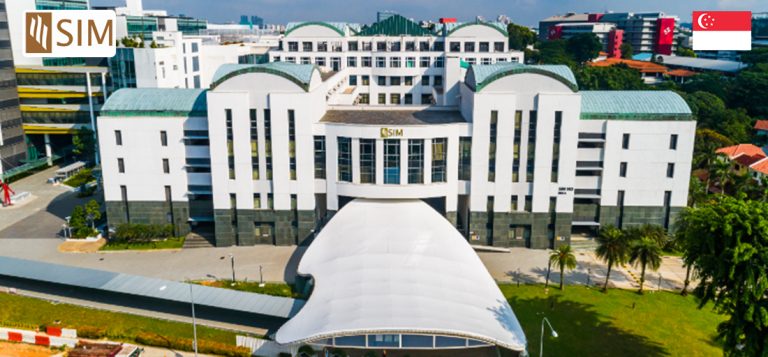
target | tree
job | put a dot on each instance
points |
(616, 77)
(583, 47)
(697, 192)
(612, 248)
(684, 52)
(757, 55)
(153, 44)
(77, 219)
(626, 50)
(83, 144)
(645, 253)
(705, 147)
(729, 251)
(520, 36)
(563, 258)
(749, 91)
(93, 212)
(553, 52)
(714, 83)
(720, 169)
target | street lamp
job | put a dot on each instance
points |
(261, 277)
(232, 260)
(554, 334)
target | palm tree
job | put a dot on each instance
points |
(697, 192)
(721, 169)
(645, 252)
(612, 248)
(563, 258)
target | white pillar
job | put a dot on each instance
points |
(48, 151)
(89, 90)
(104, 89)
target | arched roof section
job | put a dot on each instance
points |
(480, 76)
(300, 74)
(498, 26)
(338, 27)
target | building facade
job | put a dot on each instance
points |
(512, 155)
(12, 147)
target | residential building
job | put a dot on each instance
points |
(512, 155)
(12, 147)
(252, 21)
(609, 36)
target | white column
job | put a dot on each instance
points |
(104, 89)
(427, 161)
(89, 91)
(48, 152)
(403, 161)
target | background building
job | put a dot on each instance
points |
(252, 21)
(12, 147)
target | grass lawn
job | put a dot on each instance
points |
(274, 289)
(619, 323)
(170, 243)
(25, 310)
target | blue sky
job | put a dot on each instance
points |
(526, 12)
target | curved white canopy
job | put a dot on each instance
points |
(398, 266)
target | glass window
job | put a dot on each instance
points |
(366, 79)
(292, 143)
(455, 47)
(415, 161)
(320, 61)
(465, 158)
(319, 156)
(625, 141)
(381, 46)
(382, 98)
(492, 146)
(424, 62)
(352, 62)
(469, 47)
(367, 160)
(484, 47)
(305, 60)
(427, 99)
(364, 98)
(353, 80)
(531, 145)
(498, 46)
(293, 46)
(417, 341)
(166, 166)
(445, 341)
(394, 98)
(366, 62)
(381, 62)
(383, 340)
(673, 142)
(670, 170)
(352, 45)
(438, 46)
(306, 46)
(623, 169)
(345, 159)
(438, 81)
(352, 341)
(439, 62)
(268, 141)
(485, 61)
(322, 46)
(556, 146)
(121, 165)
(425, 81)
(394, 46)
(366, 46)
(424, 46)
(118, 138)
(394, 62)
(163, 138)
(516, 146)
(439, 158)
(382, 80)
(195, 64)
(392, 161)
(410, 62)
(394, 81)
(408, 98)
(408, 80)
(410, 46)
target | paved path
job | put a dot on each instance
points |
(42, 195)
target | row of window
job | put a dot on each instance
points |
(388, 62)
(395, 99)
(165, 162)
(163, 138)
(394, 46)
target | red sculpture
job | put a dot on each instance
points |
(7, 192)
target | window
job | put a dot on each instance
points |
(410, 46)
(424, 62)
(394, 62)
(408, 98)
(124, 197)
(292, 143)
(268, 141)
(438, 46)
(366, 80)
(293, 46)
(196, 81)
(163, 138)
(455, 46)
(513, 204)
(427, 99)
(556, 146)
(257, 203)
(415, 161)
(485, 61)
(410, 62)
(382, 98)
(465, 158)
(438, 81)
(623, 169)
(498, 47)
(254, 145)
(424, 46)
(492, 146)
(322, 46)
(352, 45)
(351, 61)
(320, 61)
(425, 81)
(394, 46)
(531, 146)
(120, 165)
(367, 46)
(118, 138)
(673, 142)
(353, 80)
(485, 47)
(394, 98)
(394, 81)
(620, 204)
(230, 144)
(469, 47)
(306, 46)
(365, 62)
(305, 60)
(625, 141)
(319, 156)
(345, 159)
(471, 60)
(439, 62)
(516, 146)
(667, 210)
(670, 170)
(381, 62)
(367, 160)
(439, 159)
(195, 64)
(166, 166)
(382, 80)
(528, 203)
(408, 80)
(364, 98)
(392, 161)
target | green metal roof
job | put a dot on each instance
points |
(301, 74)
(395, 25)
(634, 105)
(339, 27)
(480, 76)
(498, 26)
(168, 102)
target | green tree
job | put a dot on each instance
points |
(645, 253)
(83, 144)
(729, 251)
(720, 170)
(705, 147)
(583, 47)
(93, 212)
(616, 77)
(626, 50)
(153, 44)
(756, 56)
(711, 82)
(520, 36)
(684, 52)
(749, 91)
(563, 258)
(77, 219)
(697, 191)
(612, 248)
(553, 52)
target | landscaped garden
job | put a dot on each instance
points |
(143, 237)
(616, 323)
(274, 289)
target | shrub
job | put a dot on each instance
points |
(142, 233)
(80, 178)
(185, 344)
(91, 332)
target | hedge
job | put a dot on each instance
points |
(142, 233)
(184, 344)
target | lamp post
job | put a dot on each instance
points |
(232, 261)
(261, 277)
(554, 334)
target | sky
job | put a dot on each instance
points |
(525, 12)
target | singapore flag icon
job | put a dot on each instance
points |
(722, 30)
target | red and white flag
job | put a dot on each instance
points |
(722, 30)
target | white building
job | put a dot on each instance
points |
(511, 155)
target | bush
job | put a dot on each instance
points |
(80, 178)
(142, 233)
(91, 332)
(184, 344)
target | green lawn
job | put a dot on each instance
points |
(25, 311)
(274, 289)
(619, 323)
(170, 243)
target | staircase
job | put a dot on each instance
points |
(195, 240)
